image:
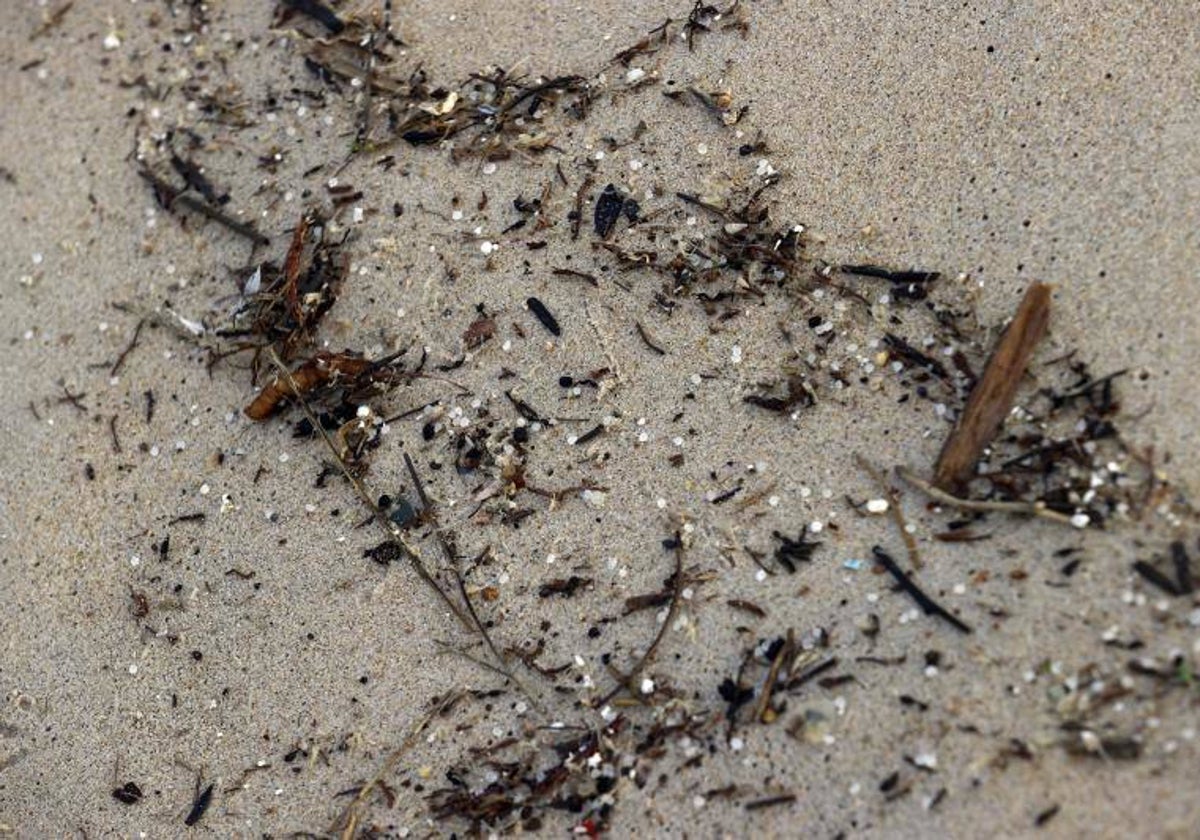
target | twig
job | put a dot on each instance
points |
(770, 802)
(487, 638)
(452, 562)
(1154, 576)
(467, 617)
(785, 651)
(137, 331)
(448, 648)
(51, 20)
(577, 213)
(525, 409)
(1091, 385)
(910, 542)
(172, 196)
(393, 529)
(204, 209)
(73, 400)
(410, 412)
(580, 275)
(648, 341)
(992, 397)
(1036, 509)
(112, 433)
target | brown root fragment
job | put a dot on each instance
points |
(314, 373)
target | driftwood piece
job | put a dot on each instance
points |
(992, 397)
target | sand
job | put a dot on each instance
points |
(994, 144)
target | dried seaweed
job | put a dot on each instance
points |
(578, 777)
(793, 551)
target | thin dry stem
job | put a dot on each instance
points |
(672, 610)
(392, 528)
(910, 542)
(467, 616)
(1035, 509)
(347, 821)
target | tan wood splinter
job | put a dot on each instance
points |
(992, 397)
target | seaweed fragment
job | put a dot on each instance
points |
(735, 696)
(319, 12)
(793, 551)
(341, 382)
(480, 331)
(199, 806)
(1183, 568)
(128, 793)
(544, 315)
(558, 777)
(388, 551)
(927, 604)
(906, 285)
(610, 207)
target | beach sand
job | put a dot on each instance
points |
(258, 651)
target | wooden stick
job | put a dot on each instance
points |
(992, 397)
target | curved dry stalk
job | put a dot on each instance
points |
(452, 562)
(786, 650)
(1037, 510)
(347, 822)
(628, 681)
